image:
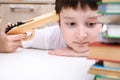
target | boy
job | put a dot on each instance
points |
(77, 28)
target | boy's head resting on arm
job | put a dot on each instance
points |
(77, 20)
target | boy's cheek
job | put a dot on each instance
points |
(93, 38)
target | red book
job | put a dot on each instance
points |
(104, 51)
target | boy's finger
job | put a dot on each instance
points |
(17, 43)
(16, 37)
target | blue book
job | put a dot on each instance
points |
(99, 69)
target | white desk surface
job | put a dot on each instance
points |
(33, 64)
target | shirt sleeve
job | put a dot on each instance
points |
(46, 38)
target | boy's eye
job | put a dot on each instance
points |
(71, 24)
(91, 24)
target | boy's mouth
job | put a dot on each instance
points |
(82, 44)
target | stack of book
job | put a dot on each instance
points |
(106, 51)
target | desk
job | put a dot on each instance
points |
(33, 64)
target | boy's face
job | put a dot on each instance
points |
(79, 28)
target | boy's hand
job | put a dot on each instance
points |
(9, 43)
(67, 52)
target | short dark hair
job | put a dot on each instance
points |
(59, 4)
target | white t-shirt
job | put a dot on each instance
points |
(46, 38)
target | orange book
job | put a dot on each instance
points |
(104, 51)
(111, 64)
(110, 0)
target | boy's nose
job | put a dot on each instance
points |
(82, 34)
